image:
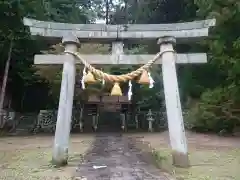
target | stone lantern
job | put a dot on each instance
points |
(150, 120)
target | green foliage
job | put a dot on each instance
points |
(215, 85)
(25, 85)
(58, 10)
(217, 111)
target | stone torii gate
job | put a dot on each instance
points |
(167, 34)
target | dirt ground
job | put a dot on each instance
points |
(211, 157)
(28, 158)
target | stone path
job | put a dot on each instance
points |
(115, 157)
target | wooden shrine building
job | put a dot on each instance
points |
(109, 103)
(105, 112)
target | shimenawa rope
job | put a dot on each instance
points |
(117, 78)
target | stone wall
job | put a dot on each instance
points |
(46, 120)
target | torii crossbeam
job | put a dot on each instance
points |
(48, 59)
(167, 34)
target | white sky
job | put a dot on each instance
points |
(103, 21)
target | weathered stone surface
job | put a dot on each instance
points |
(119, 59)
(103, 32)
(180, 159)
(172, 100)
(70, 39)
(125, 27)
(167, 39)
(64, 117)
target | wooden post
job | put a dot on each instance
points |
(150, 128)
(97, 118)
(81, 126)
(173, 105)
(123, 121)
(94, 122)
(80, 120)
(63, 127)
(136, 120)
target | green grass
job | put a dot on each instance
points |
(206, 164)
(29, 161)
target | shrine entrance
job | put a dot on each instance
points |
(109, 122)
(108, 113)
(165, 35)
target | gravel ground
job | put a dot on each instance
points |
(115, 157)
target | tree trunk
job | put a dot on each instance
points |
(4, 83)
(126, 11)
(107, 12)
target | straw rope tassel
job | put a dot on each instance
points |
(89, 78)
(116, 90)
(144, 78)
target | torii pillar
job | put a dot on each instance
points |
(173, 104)
(64, 117)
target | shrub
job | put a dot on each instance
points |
(216, 111)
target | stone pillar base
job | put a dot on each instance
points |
(60, 156)
(180, 160)
(59, 163)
